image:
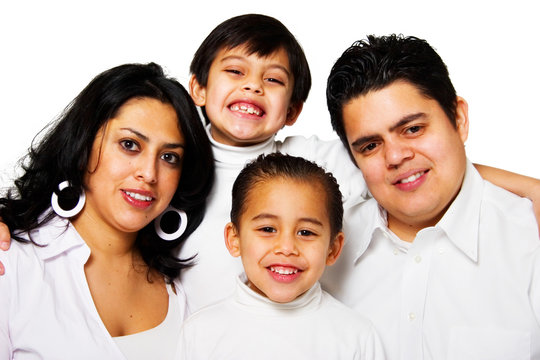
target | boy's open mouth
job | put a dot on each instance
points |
(283, 270)
(246, 108)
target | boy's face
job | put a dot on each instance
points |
(412, 158)
(283, 238)
(247, 98)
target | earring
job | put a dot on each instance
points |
(67, 201)
(182, 224)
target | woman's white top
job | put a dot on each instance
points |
(249, 326)
(46, 308)
(156, 343)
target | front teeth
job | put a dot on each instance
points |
(138, 196)
(412, 178)
(246, 109)
(283, 271)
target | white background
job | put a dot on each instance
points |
(51, 49)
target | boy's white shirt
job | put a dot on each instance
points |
(213, 276)
(247, 325)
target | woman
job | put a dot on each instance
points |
(107, 197)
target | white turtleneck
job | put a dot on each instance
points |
(213, 277)
(250, 326)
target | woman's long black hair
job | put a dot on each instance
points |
(63, 154)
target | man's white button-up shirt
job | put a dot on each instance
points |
(467, 288)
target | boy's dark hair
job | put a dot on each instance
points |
(261, 35)
(372, 64)
(63, 154)
(277, 165)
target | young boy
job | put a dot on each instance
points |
(286, 221)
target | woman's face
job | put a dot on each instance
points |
(134, 167)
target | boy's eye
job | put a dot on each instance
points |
(306, 233)
(129, 145)
(274, 80)
(267, 229)
(233, 71)
(171, 158)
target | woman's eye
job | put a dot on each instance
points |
(129, 145)
(171, 158)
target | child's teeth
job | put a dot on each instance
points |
(284, 271)
(246, 109)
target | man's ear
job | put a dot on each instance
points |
(232, 240)
(293, 112)
(462, 118)
(197, 91)
(335, 249)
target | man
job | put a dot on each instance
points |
(445, 264)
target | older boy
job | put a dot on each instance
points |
(445, 264)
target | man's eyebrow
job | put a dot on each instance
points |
(403, 121)
(406, 119)
(147, 139)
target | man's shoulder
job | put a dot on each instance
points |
(508, 205)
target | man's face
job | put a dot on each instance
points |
(412, 158)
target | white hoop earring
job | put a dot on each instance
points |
(181, 228)
(67, 213)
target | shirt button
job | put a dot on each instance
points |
(441, 251)
(412, 316)
(396, 251)
(418, 259)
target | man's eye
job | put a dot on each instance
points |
(414, 129)
(369, 147)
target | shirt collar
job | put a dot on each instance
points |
(460, 223)
(58, 236)
(462, 219)
(239, 155)
(259, 304)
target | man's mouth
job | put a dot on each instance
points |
(411, 178)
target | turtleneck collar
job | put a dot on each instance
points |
(239, 155)
(256, 303)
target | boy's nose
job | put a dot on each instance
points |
(286, 245)
(253, 85)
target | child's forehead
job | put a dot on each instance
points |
(283, 184)
(245, 51)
